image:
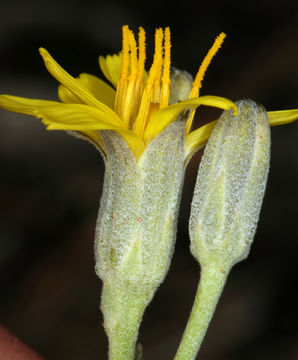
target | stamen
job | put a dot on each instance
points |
(165, 87)
(149, 91)
(197, 84)
(121, 87)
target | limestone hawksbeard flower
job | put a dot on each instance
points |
(139, 105)
(141, 124)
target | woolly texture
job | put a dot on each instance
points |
(230, 186)
(137, 218)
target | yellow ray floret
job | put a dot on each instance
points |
(97, 87)
(161, 119)
(282, 117)
(111, 67)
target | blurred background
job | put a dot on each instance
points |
(51, 183)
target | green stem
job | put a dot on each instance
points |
(211, 283)
(123, 311)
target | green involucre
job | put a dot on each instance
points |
(230, 186)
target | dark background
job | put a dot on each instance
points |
(50, 183)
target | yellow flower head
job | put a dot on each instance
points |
(140, 106)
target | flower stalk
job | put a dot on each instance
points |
(123, 308)
(211, 284)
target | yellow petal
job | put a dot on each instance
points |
(74, 85)
(162, 118)
(98, 88)
(85, 119)
(29, 107)
(282, 117)
(76, 117)
(23, 105)
(111, 67)
(62, 113)
(67, 96)
(197, 139)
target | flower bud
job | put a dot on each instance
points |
(230, 186)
